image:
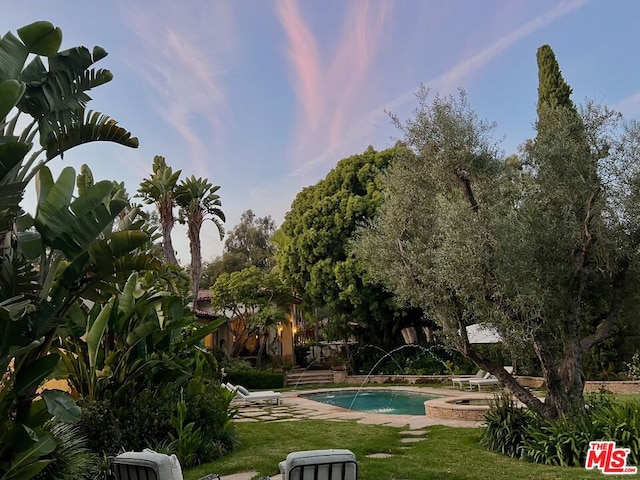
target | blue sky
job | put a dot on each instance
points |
(264, 97)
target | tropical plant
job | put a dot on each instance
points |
(47, 262)
(159, 190)
(71, 459)
(143, 336)
(198, 202)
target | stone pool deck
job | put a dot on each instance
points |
(294, 408)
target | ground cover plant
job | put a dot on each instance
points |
(452, 453)
(519, 433)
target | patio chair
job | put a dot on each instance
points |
(242, 394)
(487, 381)
(464, 380)
(146, 465)
(150, 465)
(320, 465)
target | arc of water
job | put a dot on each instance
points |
(401, 347)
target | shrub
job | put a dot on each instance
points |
(260, 379)
(620, 423)
(505, 427)
(145, 420)
(100, 426)
(563, 442)
(71, 459)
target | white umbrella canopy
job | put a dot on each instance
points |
(482, 334)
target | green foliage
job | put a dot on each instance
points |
(159, 190)
(505, 427)
(187, 438)
(633, 367)
(71, 459)
(313, 256)
(248, 243)
(552, 88)
(437, 359)
(193, 420)
(517, 432)
(48, 263)
(198, 201)
(543, 249)
(253, 300)
(563, 442)
(101, 425)
(260, 379)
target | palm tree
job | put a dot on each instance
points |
(160, 189)
(198, 202)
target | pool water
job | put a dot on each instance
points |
(396, 402)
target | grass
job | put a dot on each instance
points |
(452, 453)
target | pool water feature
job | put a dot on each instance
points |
(394, 402)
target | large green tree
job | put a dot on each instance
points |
(544, 249)
(160, 190)
(248, 243)
(313, 256)
(253, 300)
(198, 201)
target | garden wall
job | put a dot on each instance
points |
(624, 387)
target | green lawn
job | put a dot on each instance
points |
(450, 453)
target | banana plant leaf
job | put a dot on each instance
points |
(96, 127)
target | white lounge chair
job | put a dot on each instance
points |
(484, 382)
(320, 465)
(245, 395)
(464, 380)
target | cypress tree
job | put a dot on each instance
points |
(552, 89)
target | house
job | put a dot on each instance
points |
(233, 337)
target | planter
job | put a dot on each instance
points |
(339, 376)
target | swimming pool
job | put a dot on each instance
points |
(395, 402)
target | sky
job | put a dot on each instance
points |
(264, 97)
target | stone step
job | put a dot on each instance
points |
(309, 377)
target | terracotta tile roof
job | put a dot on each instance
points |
(204, 295)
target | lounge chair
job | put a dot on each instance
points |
(484, 382)
(464, 380)
(245, 395)
(320, 465)
(146, 465)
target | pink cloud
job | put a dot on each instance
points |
(346, 137)
(332, 93)
(304, 57)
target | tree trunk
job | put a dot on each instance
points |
(167, 220)
(194, 226)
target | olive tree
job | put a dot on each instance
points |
(542, 247)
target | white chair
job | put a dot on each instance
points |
(334, 464)
(487, 381)
(146, 465)
(245, 395)
(464, 380)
